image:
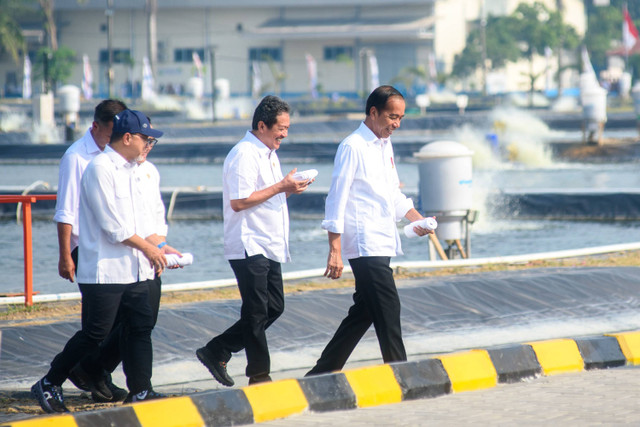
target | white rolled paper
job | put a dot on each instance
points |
(305, 175)
(175, 259)
(429, 223)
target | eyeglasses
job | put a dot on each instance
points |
(150, 142)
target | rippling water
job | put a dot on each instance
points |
(309, 242)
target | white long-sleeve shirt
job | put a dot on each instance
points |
(112, 209)
(148, 179)
(365, 201)
(262, 229)
(72, 166)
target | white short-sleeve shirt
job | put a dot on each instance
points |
(364, 201)
(112, 209)
(72, 166)
(262, 229)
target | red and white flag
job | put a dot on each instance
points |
(197, 63)
(629, 31)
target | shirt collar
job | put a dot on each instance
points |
(369, 137)
(90, 144)
(261, 146)
(119, 161)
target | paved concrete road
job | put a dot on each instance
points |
(584, 398)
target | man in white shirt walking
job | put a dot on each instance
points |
(72, 167)
(115, 264)
(361, 211)
(256, 240)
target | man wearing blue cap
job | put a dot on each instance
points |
(115, 266)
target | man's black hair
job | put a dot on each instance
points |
(268, 110)
(107, 109)
(379, 98)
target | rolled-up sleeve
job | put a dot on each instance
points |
(344, 170)
(100, 192)
(67, 200)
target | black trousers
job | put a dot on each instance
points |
(260, 284)
(375, 301)
(110, 355)
(101, 304)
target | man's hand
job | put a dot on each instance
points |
(156, 258)
(334, 266)
(334, 260)
(66, 267)
(293, 186)
(166, 249)
(420, 231)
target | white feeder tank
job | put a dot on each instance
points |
(445, 170)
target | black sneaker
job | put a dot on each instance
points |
(119, 394)
(262, 378)
(86, 382)
(218, 368)
(49, 397)
(144, 396)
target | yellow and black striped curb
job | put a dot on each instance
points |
(364, 387)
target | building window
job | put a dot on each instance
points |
(265, 53)
(120, 56)
(186, 54)
(334, 53)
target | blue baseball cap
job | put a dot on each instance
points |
(132, 121)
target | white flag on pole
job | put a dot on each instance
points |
(256, 79)
(312, 70)
(147, 80)
(432, 87)
(26, 78)
(373, 71)
(87, 78)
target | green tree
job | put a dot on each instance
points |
(500, 44)
(54, 67)
(409, 76)
(11, 38)
(605, 32)
(538, 28)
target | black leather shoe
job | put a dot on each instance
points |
(262, 378)
(78, 377)
(119, 394)
(218, 368)
(97, 386)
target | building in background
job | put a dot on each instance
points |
(272, 38)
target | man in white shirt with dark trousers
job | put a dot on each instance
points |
(72, 166)
(115, 264)
(256, 240)
(361, 211)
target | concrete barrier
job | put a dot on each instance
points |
(365, 387)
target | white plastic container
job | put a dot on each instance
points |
(594, 104)
(69, 97)
(445, 169)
